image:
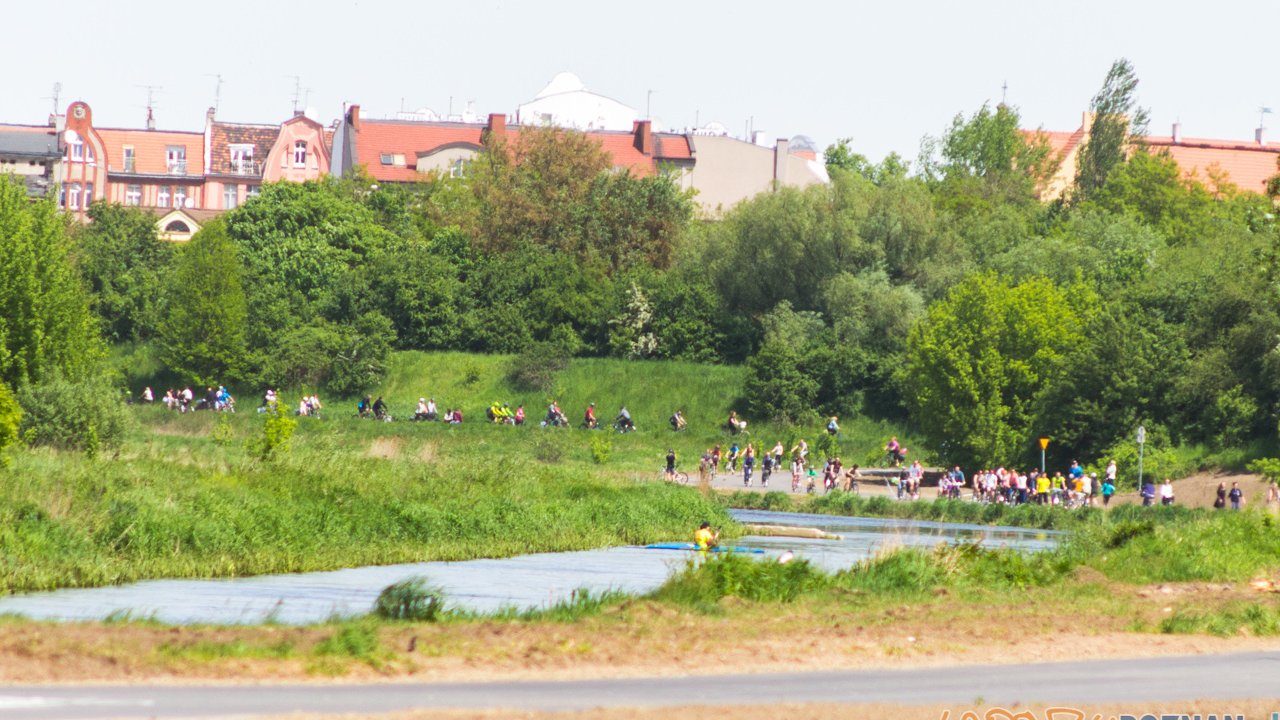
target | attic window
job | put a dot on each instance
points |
(397, 159)
(385, 158)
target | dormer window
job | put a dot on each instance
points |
(241, 159)
(300, 154)
(385, 158)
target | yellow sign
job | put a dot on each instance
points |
(1044, 441)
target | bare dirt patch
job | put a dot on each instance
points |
(1200, 490)
(825, 711)
(385, 448)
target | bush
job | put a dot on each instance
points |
(78, 416)
(536, 368)
(10, 417)
(277, 430)
(411, 599)
(601, 448)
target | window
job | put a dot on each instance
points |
(133, 195)
(398, 159)
(62, 196)
(241, 159)
(179, 197)
(88, 195)
(300, 153)
(128, 158)
(230, 196)
(177, 226)
(385, 158)
(76, 146)
(88, 154)
(252, 191)
(457, 168)
(175, 157)
(162, 196)
(73, 197)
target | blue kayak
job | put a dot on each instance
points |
(691, 546)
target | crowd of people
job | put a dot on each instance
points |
(184, 400)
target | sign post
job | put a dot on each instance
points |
(1142, 441)
(1044, 443)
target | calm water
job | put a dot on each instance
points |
(486, 585)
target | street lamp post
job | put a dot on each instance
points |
(1142, 442)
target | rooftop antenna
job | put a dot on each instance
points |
(1004, 92)
(151, 103)
(648, 105)
(297, 91)
(306, 97)
(1263, 112)
(217, 91)
(57, 90)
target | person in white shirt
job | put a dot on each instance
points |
(1166, 492)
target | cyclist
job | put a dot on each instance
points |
(677, 421)
(589, 419)
(623, 421)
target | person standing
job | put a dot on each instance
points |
(1108, 489)
(1220, 500)
(1236, 495)
(1166, 492)
(748, 464)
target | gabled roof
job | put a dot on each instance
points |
(149, 148)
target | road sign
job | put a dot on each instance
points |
(1044, 442)
(1142, 435)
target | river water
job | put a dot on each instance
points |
(525, 581)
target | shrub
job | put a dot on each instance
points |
(80, 416)
(536, 368)
(601, 448)
(411, 599)
(10, 417)
(277, 430)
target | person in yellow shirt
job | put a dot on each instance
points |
(1042, 489)
(706, 538)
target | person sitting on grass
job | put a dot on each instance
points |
(519, 416)
(705, 538)
(833, 425)
(421, 413)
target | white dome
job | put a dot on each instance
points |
(565, 82)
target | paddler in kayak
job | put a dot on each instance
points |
(706, 538)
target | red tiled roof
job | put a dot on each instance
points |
(376, 138)
(222, 135)
(671, 146)
(1248, 165)
(149, 149)
(411, 139)
(1061, 144)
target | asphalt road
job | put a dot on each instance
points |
(1223, 677)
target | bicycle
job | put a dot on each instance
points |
(675, 477)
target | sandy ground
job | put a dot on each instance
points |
(1198, 490)
(1252, 709)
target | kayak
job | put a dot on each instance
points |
(691, 546)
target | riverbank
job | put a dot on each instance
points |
(185, 498)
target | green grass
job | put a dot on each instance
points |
(176, 502)
(1257, 619)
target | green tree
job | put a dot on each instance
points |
(776, 388)
(124, 262)
(1118, 123)
(978, 362)
(46, 327)
(202, 333)
(986, 160)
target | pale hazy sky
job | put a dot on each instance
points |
(883, 73)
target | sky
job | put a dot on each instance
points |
(883, 74)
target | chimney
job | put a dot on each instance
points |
(1177, 133)
(497, 126)
(643, 131)
(780, 153)
(353, 117)
(1260, 135)
(151, 120)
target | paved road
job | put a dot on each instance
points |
(1224, 677)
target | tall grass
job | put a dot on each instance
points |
(178, 503)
